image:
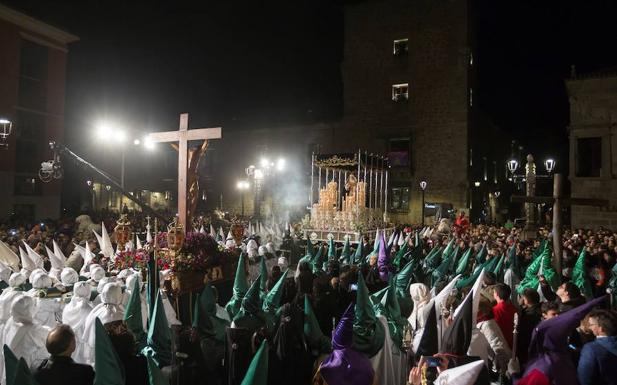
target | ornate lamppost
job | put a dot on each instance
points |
(423, 186)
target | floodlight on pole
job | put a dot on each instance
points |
(423, 186)
(6, 127)
(280, 164)
(264, 162)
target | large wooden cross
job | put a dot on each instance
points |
(183, 136)
(557, 200)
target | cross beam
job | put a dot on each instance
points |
(183, 136)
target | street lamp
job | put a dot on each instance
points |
(242, 186)
(549, 164)
(512, 165)
(423, 186)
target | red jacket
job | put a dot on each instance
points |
(504, 316)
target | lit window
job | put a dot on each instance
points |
(399, 199)
(471, 58)
(400, 46)
(400, 92)
(471, 97)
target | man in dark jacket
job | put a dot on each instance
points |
(531, 316)
(60, 368)
(598, 362)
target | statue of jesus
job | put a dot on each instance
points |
(195, 156)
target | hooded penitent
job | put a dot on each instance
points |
(461, 375)
(205, 320)
(8, 256)
(22, 334)
(457, 336)
(315, 338)
(133, 317)
(75, 313)
(272, 300)
(346, 366)
(383, 261)
(548, 350)
(159, 335)
(369, 333)
(346, 253)
(109, 310)
(358, 257)
(250, 315)
(239, 289)
(108, 368)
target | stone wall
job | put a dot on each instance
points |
(593, 114)
(436, 116)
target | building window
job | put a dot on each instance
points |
(33, 75)
(589, 157)
(398, 156)
(400, 92)
(27, 185)
(471, 97)
(400, 47)
(29, 142)
(399, 199)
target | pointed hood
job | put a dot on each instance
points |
(390, 309)
(58, 252)
(461, 375)
(368, 331)
(403, 278)
(56, 263)
(312, 331)
(34, 257)
(579, 275)
(498, 270)
(251, 303)
(429, 342)
(8, 256)
(108, 368)
(463, 262)
(138, 245)
(346, 366)
(204, 316)
(133, 317)
(240, 288)
(476, 296)
(99, 240)
(376, 242)
(359, 254)
(400, 254)
(481, 256)
(257, 373)
(331, 249)
(346, 253)
(159, 335)
(342, 336)
(319, 259)
(212, 232)
(272, 300)
(383, 261)
(107, 248)
(551, 335)
(457, 337)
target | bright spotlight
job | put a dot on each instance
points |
(137, 142)
(148, 143)
(264, 162)
(259, 174)
(119, 136)
(280, 164)
(104, 131)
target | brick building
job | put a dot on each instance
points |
(593, 158)
(408, 77)
(33, 58)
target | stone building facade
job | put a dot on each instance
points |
(593, 144)
(407, 93)
(33, 58)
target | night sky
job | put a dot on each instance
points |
(275, 62)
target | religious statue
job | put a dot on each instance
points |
(123, 231)
(350, 184)
(195, 156)
(175, 236)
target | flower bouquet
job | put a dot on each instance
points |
(136, 259)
